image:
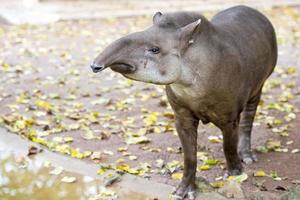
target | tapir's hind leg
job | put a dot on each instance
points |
(230, 146)
(245, 128)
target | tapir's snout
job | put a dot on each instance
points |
(96, 67)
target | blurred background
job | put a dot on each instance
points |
(43, 11)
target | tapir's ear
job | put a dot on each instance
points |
(156, 17)
(186, 33)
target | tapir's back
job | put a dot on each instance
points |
(253, 35)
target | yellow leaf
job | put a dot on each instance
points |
(76, 154)
(214, 139)
(240, 179)
(273, 144)
(137, 140)
(291, 70)
(20, 124)
(211, 162)
(122, 149)
(173, 165)
(122, 167)
(217, 184)
(43, 105)
(101, 171)
(5, 67)
(87, 154)
(177, 176)
(133, 171)
(120, 160)
(68, 139)
(151, 119)
(259, 173)
(39, 140)
(204, 167)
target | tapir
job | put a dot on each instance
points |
(213, 71)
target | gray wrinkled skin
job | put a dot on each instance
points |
(213, 71)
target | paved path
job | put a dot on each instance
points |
(47, 12)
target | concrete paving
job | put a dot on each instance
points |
(20, 12)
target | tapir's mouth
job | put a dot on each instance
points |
(123, 68)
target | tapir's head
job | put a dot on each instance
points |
(153, 55)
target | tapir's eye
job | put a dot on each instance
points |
(154, 50)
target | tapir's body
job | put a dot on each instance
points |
(229, 66)
(213, 71)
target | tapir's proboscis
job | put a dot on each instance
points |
(213, 70)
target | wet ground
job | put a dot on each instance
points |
(50, 96)
(46, 175)
(23, 178)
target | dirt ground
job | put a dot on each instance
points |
(49, 94)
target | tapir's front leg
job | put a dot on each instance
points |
(186, 126)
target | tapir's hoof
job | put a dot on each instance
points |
(184, 190)
(233, 172)
(248, 158)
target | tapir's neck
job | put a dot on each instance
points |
(186, 77)
(197, 64)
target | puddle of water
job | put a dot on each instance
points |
(23, 178)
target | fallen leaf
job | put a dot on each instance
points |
(137, 140)
(204, 167)
(33, 150)
(151, 119)
(177, 176)
(273, 144)
(104, 194)
(211, 162)
(101, 170)
(56, 171)
(68, 139)
(110, 153)
(275, 176)
(259, 173)
(217, 184)
(111, 178)
(122, 149)
(159, 163)
(96, 155)
(132, 158)
(295, 151)
(261, 149)
(173, 166)
(68, 179)
(240, 178)
(215, 139)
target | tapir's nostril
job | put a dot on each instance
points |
(97, 68)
